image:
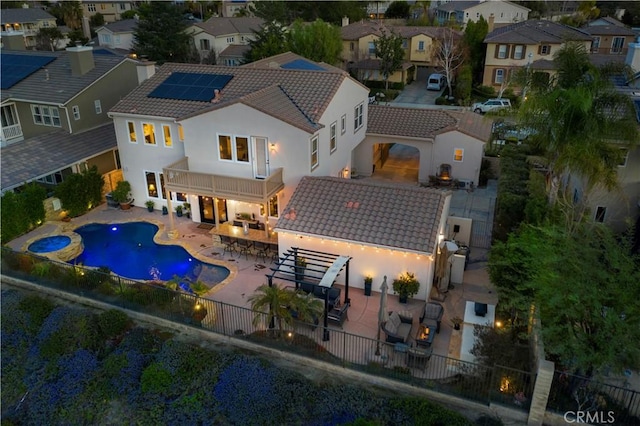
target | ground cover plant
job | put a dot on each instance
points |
(63, 364)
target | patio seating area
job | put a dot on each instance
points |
(248, 271)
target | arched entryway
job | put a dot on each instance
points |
(396, 162)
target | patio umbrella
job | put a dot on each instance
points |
(383, 315)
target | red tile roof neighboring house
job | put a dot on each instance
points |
(536, 31)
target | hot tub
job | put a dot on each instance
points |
(58, 247)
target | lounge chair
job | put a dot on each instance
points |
(397, 329)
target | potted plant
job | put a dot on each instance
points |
(122, 194)
(165, 210)
(179, 211)
(406, 286)
(150, 205)
(456, 321)
(300, 265)
(368, 280)
(187, 209)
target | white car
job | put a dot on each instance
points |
(490, 105)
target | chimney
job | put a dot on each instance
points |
(146, 69)
(13, 40)
(633, 56)
(490, 22)
(86, 28)
(345, 21)
(81, 58)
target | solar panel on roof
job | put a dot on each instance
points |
(190, 86)
(302, 64)
(16, 68)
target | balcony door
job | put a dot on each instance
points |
(261, 156)
(207, 212)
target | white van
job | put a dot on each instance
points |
(436, 82)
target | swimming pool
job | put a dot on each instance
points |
(49, 244)
(128, 250)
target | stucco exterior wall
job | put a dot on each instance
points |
(469, 167)
(364, 156)
(29, 128)
(421, 56)
(503, 12)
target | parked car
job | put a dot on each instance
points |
(436, 82)
(490, 105)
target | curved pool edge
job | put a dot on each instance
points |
(64, 254)
(161, 238)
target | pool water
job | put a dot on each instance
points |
(128, 250)
(49, 244)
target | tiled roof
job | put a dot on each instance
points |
(54, 83)
(601, 59)
(235, 51)
(374, 64)
(543, 64)
(454, 6)
(35, 157)
(409, 122)
(276, 61)
(385, 215)
(474, 125)
(218, 26)
(357, 30)
(535, 32)
(20, 15)
(616, 30)
(361, 29)
(310, 91)
(122, 26)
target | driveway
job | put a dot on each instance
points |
(417, 93)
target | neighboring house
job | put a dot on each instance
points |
(525, 44)
(234, 8)
(387, 229)
(218, 34)
(610, 37)
(233, 55)
(27, 22)
(502, 12)
(118, 35)
(54, 112)
(443, 137)
(111, 10)
(419, 43)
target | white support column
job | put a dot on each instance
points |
(171, 233)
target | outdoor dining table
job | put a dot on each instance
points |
(255, 235)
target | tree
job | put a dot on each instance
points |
(160, 34)
(96, 20)
(398, 9)
(48, 38)
(318, 41)
(68, 13)
(474, 35)
(388, 48)
(286, 12)
(575, 120)
(270, 40)
(449, 55)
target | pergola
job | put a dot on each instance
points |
(320, 270)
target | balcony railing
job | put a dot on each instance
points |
(178, 178)
(11, 132)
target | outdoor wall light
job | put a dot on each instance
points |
(272, 146)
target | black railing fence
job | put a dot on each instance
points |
(439, 373)
(571, 394)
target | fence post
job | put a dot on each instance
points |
(224, 327)
(541, 391)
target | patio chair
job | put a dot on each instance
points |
(396, 329)
(418, 358)
(275, 252)
(432, 315)
(261, 250)
(244, 246)
(229, 244)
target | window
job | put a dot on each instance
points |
(501, 51)
(499, 76)
(600, 214)
(617, 44)
(9, 116)
(122, 6)
(181, 196)
(372, 48)
(343, 124)
(242, 39)
(103, 6)
(180, 132)
(545, 49)
(357, 117)
(273, 206)
(518, 51)
(98, 106)
(458, 154)
(132, 132)
(204, 44)
(314, 152)
(166, 132)
(45, 115)
(152, 184)
(595, 44)
(149, 132)
(224, 145)
(230, 39)
(162, 190)
(76, 112)
(421, 45)
(405, 43)
(242, 149)
(91, 7)
(333, 139)
(105, 38)
(352, 46)
(624, 152)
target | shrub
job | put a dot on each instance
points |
(113, 323)
(38, 309)
(22, 212)
(155, 379)
(80, 192)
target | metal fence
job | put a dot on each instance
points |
(439, 373)
(481, 234)
(571, 393)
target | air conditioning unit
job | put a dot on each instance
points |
(465, 183)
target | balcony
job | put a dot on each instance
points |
(178, 178)
(11, 134)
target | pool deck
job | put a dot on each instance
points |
(247, 275)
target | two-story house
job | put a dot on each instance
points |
(460, 12)
(110, 10)
(526, 44)
(117, 35)
(610, 36)
(222, 36)
(54, 112)
(27, 21)
(235, 8)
